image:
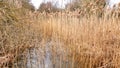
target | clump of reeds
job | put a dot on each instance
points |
(87, 41)
(16, 33)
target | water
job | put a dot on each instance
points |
(37, 58)
(48, 57)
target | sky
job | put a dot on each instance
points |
(58, 3)
(62, 3)
(111, 3)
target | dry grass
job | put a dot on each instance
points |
(74, 40)
(6, 60)
(91, 42)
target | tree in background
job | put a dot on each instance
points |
(85, 4)
(27, 5)
(19, 4)
(87, 7)
(48, 7)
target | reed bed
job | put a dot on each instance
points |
(83, 38)
(85, 42)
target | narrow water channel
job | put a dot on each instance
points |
(48, 59)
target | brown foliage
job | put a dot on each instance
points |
(48, 7)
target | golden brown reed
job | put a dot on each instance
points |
(91, 42)
(4, 60)
(87, 41)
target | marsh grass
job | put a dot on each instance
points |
(83, 42)
(70, 39)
